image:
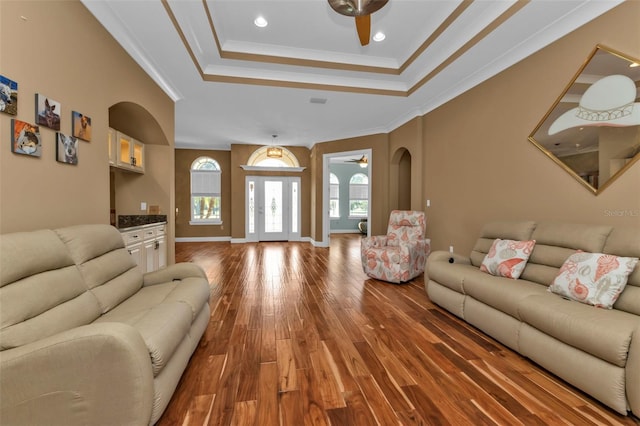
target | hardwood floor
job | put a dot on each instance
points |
(299, 336)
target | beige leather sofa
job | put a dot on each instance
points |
(85, 337)
(597, 350)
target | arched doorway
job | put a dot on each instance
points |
(401, 180)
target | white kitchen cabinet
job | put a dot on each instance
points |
(133, 242)
(150, 254)
(147, 245)
(161, 247)
(129, 153)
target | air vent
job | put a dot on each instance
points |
(318, 100)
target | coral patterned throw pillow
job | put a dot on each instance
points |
(507, 258)
(593, 278)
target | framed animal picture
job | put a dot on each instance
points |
(47, 112)
(66, 149)
(81, 126)
(8, 96)
(25, 138)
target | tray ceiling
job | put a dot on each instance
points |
(305, 76)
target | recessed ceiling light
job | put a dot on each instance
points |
(379, 36)
(634, 64)
(260, 22)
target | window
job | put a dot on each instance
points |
(358, 195)
(260, 157)
(334, 196)
(205, 192)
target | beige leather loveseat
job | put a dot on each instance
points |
(594, 349)
(85, 337)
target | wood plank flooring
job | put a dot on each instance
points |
(300, 336)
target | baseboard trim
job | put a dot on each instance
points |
(319, 243)
(242, 240)
(201, 239)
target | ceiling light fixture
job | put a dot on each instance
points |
(379, 36)
(274, 151)
(260, 22)
(634, 64)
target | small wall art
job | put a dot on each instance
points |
(81, 126)
(66, 149)
(8, 96)
(25, 138)
(47, 112)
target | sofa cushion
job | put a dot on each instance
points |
(451, 275)
(555, 242)
(626, 242)
(508, 230)
(41, 290)
(504, 294)
(107, 268)
(593, 278)
(605, 334)
(507, 258)
(575, 236)
(162, 328)
(194, 292)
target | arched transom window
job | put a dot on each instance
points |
(205, 192)
(273, 156)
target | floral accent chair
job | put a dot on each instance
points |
(400, 255)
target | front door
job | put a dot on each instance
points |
(273, 208)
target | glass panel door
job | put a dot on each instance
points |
(272, 208)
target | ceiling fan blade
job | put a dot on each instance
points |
(360, 160)
(363, 26)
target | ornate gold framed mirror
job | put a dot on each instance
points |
(593, 129)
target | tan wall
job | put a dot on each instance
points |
(479, 166)
(184, 159)
(62, 52)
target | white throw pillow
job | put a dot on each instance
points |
(593, 278)
(507, 258)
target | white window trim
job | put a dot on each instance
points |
(272, 169)
(218, 171)
(206, 222)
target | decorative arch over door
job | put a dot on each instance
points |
(273, 156)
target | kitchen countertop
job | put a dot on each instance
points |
(131, 222)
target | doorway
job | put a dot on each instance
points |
(273, 208)
(326, 220)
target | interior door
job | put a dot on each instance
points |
(273, 208)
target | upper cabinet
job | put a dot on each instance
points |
(125, 152)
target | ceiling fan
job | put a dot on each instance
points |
(361, 10)
(362, 161)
